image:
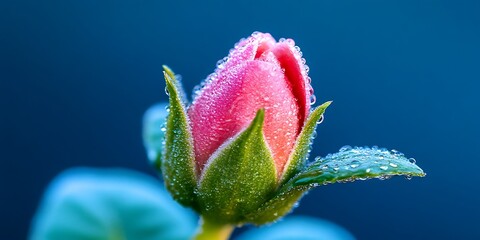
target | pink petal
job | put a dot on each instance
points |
(224, 111)
(290, 60)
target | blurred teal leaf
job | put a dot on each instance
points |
(154, 132)
(298, 228)
(112, 204)
(358, 163)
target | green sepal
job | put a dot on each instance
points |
(351, 164)
(239, 177)
(178, 84)
(299, 156)
(279, 205)
(178, 166)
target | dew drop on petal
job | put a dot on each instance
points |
(307, 68)
(313, 99)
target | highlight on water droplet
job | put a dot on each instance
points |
(345, 148)
(393, 165)
(354, 164)
(313, 99)
(320, 120)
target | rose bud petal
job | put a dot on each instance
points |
(259, 73)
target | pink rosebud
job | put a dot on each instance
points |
(258, 73)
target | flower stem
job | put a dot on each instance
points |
(209, 230)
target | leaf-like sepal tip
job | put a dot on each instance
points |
(178, 166)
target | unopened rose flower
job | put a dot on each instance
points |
(245, 133)
(238, 154)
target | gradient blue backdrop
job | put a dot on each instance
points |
(76, 77)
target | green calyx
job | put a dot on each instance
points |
(239, 177)
(178, 165)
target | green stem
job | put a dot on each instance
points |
(209, 230)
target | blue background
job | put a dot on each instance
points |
(76, 77)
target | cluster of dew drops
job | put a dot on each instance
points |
(356, 163)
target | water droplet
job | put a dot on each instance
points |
(385, 177)
(393, 165)
(320, 120)
(368, 170)
(163, 129)
(408, 177)
(355, 164)
(221, 62)
(314, 134)
(384, 167)
(166, 91)
(307, 68)
(412, 160)
(313, 99)
(345, 148)
(396, 153)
